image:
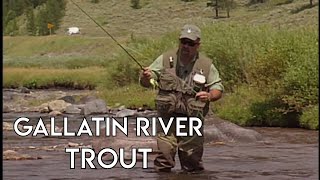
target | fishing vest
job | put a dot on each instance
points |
(176, 95)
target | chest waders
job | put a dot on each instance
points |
(176, 97)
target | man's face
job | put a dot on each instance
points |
(188, 47)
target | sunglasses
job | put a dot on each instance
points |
(188, 42)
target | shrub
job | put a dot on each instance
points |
(310, 118)
(125, 73)
(301, 84)
(236, 107)
(135, 4)
(95, 1)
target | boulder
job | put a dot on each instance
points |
(58, 105)
(73, 109)
(217, 129)
(68, 99)
(44, 108)
(97, 106)
(87, 99)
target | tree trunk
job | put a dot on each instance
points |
(228, 12)
(310, 2)
(216, 8)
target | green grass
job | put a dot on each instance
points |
(86, 78)
(267, 56)
(132, 96)
(29, 46)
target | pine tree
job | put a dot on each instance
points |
(55, 11)
(10, 16)
(41, 23)
(11, 28)
(30, 22)
(5, 9)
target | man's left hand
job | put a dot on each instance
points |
(203, 96)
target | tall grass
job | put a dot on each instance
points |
(35, 78)
(55, 45)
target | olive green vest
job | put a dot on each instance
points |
(177, 96)
(202, 62)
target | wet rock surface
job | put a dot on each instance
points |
(13, 155)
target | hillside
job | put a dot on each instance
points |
(154, 19)
(158, 17)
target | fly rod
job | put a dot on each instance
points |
(152, 81)
(109, 35)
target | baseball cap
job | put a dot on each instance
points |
(190, 31)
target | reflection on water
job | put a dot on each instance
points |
(286, 154)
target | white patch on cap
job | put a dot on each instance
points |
(189, 30)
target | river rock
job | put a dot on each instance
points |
(68, 99)
(146, 113)
(9, 126)
(25, 90)
(71, 144)
(125, 113)
(87, 99)
(121, 108)
(13, 155)
(6, 96)
(58, 105)
(217, 129)
(56, 128)
(73, 109)
(6, 108)
(55, 113)
(97, 106)
(44, 108)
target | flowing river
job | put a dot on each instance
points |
(285, 154)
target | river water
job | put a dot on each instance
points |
(284, 154)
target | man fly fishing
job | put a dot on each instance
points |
(188, 82)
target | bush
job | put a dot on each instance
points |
(248, 106)
(95, 1)
(237, 106)
(310, 118)
(125, 73)
(135, 4)
(301, 82)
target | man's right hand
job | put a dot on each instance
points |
(147, 73)
(145, 77)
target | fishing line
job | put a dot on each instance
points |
(108, 35)
(152, 81)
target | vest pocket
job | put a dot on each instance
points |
(168, 82)
(165, 104)
(195, 108)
